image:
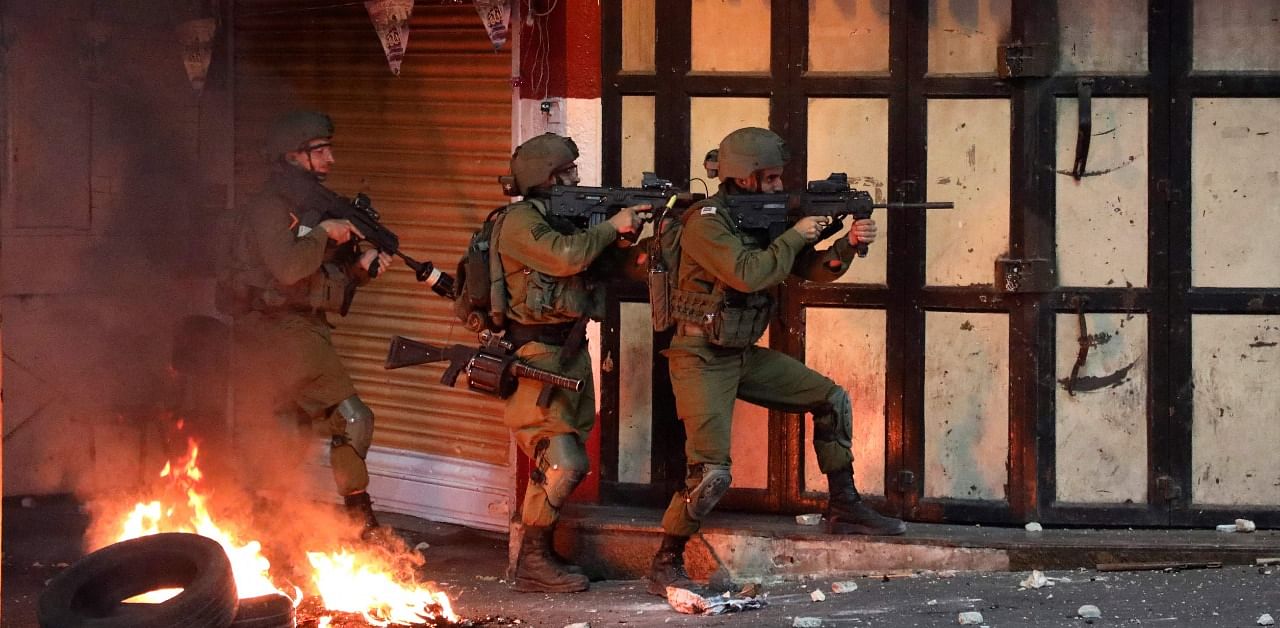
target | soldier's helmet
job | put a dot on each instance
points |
(291, 131)
(749, 149)
(537, 158)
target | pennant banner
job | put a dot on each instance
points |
(496, 15)
(391, 19)
(196, 37)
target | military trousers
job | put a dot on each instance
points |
(707, 379)
(570, 413)
(288, 382)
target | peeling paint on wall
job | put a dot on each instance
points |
(1235, 402)
(966, 405)
(963, 35)
(968, 148)
(635, 393)
(1101, 430)
(1102, 36)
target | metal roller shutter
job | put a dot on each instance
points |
(427, 147)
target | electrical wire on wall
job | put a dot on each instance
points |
(540, 73)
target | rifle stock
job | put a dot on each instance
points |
(492, 368)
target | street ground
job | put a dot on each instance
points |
(43, 536)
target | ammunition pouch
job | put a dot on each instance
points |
(330, 290)
(733, 320)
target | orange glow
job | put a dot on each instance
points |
(347, 580)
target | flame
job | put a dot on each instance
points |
(359, 583)
(347, 581)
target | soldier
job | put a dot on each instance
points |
(553, 285)
(289, 270)
(723, 306)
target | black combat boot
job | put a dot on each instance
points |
(556, 558)
(536, 570)
(667, 568)
(359, 507)
(846, 514)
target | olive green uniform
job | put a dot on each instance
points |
(545, 269)
(724, 309)
(287, 374)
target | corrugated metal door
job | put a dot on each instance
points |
(426, 146)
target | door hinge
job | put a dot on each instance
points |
(906, 481)
(1167, 489)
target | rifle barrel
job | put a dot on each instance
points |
(932, 205)
(520, 369)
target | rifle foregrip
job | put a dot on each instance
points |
(520, 369)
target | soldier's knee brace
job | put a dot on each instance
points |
(560, 464)
(833, 421)
(705, 485)
(358, 421)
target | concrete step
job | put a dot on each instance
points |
(616, 542)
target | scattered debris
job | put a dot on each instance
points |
(690, 603)
(487, 578)
(1035, 581)
(811, 519)
(846, 586)
(1089, 611)
(422, 547)
(1034, 527)
(751, 589)
(581, 624)
(1157, 566)
(931, 603)
(1266, 620)
(970, 618)
(818, 596)
(807, 622)
(1267, 561)
(1245, 525)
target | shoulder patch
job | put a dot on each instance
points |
(707, 210)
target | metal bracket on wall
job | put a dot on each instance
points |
(1018, 60)
(1084, 95)
(906, 481)
(1015, 275)
(1167, 489)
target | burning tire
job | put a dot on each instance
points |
(265, 611)
(89, 594)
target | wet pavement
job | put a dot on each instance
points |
(39, 540)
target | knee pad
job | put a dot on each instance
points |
(358, 422)
(706, 483)
(833, 422)
(560, 465)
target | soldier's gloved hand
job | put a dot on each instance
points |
(862, 231)
(383, 261)
(810, 227)
(628, 219)
(340, 229)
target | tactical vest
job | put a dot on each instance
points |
(728, 318)
(534, 298)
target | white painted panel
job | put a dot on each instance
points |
(1102, 36)
(1235, 181)
(635, 393)
(849, 346)
(851, 135)
(1101, 433)
(1236, 35)
(711, 119)
(1102, 217)
(966, 405)
(963, 35)
(969, 165)
(730, 36)
(749, 447)
(637, 138)
(1235, 407)
(848, 36)
(638, 51)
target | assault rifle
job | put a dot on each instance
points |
(492, 368)
(829, 197)
(360, 212)
(590, 206)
